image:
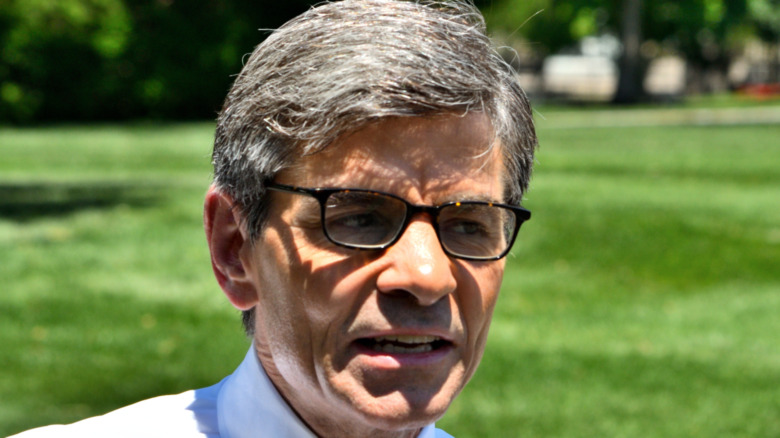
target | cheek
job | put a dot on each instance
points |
(277, 307)
(277, 280)
(479, 300)
(337, 294)
(319, 289)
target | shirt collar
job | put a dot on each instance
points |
(249, 406)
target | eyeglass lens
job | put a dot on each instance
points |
(371, 220)
(363, 219)
(475, 230)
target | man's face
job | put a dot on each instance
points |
(377, 339)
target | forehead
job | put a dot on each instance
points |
(422, 156)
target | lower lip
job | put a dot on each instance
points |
(390, 361)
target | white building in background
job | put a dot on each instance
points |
(580, 77)
(592, 75)
(665, 76)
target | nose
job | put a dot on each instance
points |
(417, 265)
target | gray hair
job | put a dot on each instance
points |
(343, 65)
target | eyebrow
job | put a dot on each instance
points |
(448, 198)
(459, 197)
(468, 196)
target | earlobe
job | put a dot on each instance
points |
(226, 239)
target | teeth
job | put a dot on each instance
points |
(424, 339)
(404, 344)
(391, 348)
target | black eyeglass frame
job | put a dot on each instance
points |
(321, 194)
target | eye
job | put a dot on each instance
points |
(470, 220)
(357, 220)
(363, 219)
(359, 226)
(473, 229)
(467, 227)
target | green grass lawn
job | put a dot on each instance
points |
(641, 300)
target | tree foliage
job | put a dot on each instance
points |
(115, 59)
(765, 15)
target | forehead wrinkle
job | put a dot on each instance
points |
(466, 182)
(429, 180)
(410, 157)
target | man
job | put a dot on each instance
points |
(369, 162)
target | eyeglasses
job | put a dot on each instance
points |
(371, 220)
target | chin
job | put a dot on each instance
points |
(398, 411)
(410, 421)
(397, 400)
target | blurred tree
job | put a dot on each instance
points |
(765, 17)
(702, 31)
(115, 59)
(51, 53)
(183, 53)
(629, 88)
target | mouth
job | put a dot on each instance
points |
(403, 344)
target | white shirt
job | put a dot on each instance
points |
(243, 405)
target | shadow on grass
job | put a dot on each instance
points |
(29, 200)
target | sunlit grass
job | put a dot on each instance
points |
(640, 300)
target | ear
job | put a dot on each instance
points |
(227, 240)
